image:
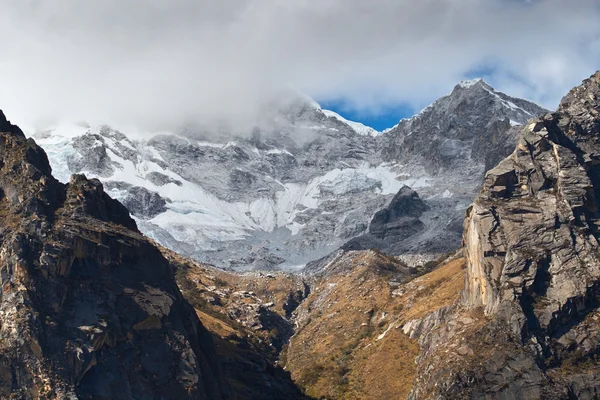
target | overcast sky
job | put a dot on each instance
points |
(155, 63)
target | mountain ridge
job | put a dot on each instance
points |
(514, 313)
(289, 202)
(532, 270)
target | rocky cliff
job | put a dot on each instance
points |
(249, 318)
(526, 322)
(391, 226)
(88, 307)
(533, 271)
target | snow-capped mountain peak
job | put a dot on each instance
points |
(360, 128)
(470, 82)
(298, 189)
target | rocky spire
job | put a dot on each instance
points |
(533, 231)
(6, 126)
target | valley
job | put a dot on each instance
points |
(92, 308)
(300, 200)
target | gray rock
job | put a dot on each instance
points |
(161, 179)
(533, 269)
(468, 124)
(90, 308)
(400, 218)
(143, 203)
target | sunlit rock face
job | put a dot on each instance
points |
(533, 231)
(527, 324)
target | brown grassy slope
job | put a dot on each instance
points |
(349, 344)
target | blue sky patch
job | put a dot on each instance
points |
(383, 120)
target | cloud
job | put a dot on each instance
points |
(157, 63)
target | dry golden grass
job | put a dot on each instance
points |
(216, 326)
(272, 287)
(350, 345)
(442, 288)
(244, 350)
(387, 368)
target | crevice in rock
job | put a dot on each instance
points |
(543, 277)
(295, 299)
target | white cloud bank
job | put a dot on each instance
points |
(159, 62)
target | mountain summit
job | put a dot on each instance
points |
(304, 183)
(470, 123)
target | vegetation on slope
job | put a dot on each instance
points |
(349, 343)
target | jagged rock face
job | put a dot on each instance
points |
(88, 308)
(248, 315)
(457, 128)
(393, 223)
(303, 183)
(144, 203)
(390, 227)
(533, 271)
(532, 233)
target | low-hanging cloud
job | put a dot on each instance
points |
(158, 63)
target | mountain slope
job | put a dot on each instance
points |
(302, 184)
(89, 308)
(458, 127)
(250, 318)
(513, 315)
(348, 342)
(533, 271)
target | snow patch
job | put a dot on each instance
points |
(279, 151)
(506, 103)
(469, 83)
(359, 128)
(198, 218)
(389, 328)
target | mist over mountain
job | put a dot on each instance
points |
(304, 183)
(90, 306)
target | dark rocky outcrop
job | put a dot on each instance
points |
(400, 218)
(144, 203)
(93, 156)
(88, 307)
(160, 179)
(249, 316)
(392, 224)
(533, 271)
